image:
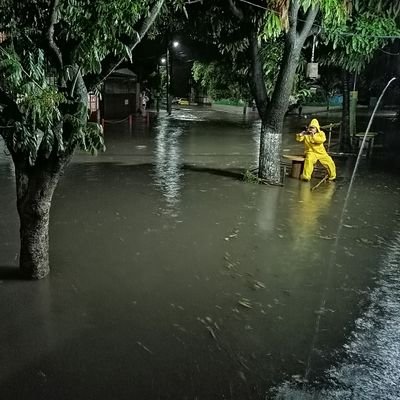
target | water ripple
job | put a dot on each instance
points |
(168, 161)
(371, 367)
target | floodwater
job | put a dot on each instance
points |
(174, 279)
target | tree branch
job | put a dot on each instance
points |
(236, 11)
(294, 8)
(310, 18)
(396, 10)
(147, 23)
(50, 33)
(257, 83)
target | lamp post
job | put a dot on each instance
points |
(174, 44)
(163, 60)
(168, 61)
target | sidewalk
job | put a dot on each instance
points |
(249, 111)
(232, 109)
(310, 110)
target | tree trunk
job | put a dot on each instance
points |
(273, 113)
(270, 154)
(273, 117)
(344, 140)
(35, 184)
(35, 187)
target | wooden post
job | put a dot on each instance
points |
(130, 123)
(297, 165)
(329, 137)
(353, 112)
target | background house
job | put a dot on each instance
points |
(121, 94)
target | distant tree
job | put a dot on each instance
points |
(229, 79)
(370, 26)
(52, 52)
(221, 81)
(330, 82)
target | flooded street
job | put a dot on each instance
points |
(173, 279)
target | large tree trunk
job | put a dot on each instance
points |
(37, 174)
(270, 154)
(35, 187)
(273, 113)
(272, 120)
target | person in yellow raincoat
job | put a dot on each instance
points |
(314, 150)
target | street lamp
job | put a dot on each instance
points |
(163, 61)
(174, 44)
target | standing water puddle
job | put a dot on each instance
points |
(173, 279)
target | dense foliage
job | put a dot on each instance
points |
(221, 81)
(51, 49)
(51, 52)
(224, 80)
(370, 26)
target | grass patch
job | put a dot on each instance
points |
(250, 177)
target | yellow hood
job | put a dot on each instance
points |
(314, 122)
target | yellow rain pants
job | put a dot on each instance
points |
(314, 151)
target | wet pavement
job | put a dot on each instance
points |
(174, 279)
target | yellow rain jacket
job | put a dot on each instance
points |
(314, 143)
(314, 150)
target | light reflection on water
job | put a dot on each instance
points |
(184, 115)
(168, 162)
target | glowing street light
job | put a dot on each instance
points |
(173, 44)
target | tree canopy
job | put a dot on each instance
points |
(370, 25)
(51, 52)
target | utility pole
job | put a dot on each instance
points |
(353, 109)
(168, 80)
(158, 88)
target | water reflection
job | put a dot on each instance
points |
(307, 211)
(260, 346)
(91, 172)
(267, 204)
(185, 115)
(168, 161)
